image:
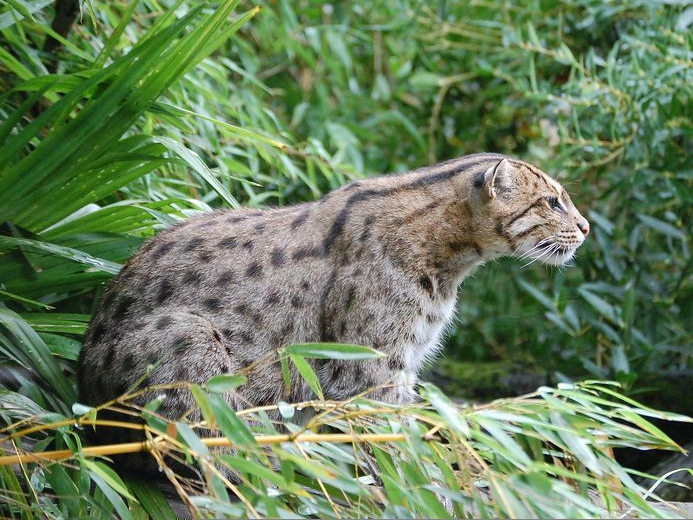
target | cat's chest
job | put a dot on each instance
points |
(425, 332)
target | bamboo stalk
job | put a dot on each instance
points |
(211, 442)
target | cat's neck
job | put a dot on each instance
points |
(420, 223)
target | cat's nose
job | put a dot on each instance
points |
(584, 226)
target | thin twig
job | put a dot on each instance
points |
(210, 442)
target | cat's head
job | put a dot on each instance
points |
(532, 215)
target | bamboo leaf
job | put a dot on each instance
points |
(111, 494)
(225, 382)
(191, 439)
(445, 408)
(150, 497)
(332, 351)
(229, 423)
(307, 373)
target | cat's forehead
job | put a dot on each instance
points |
(531, 170)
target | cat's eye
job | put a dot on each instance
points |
(554, 203)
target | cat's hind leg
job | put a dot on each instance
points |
(178, 346)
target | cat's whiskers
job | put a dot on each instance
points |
(544, 255)
(536, 247)
(529, 252)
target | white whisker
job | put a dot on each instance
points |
(547, 253)
(536, 247)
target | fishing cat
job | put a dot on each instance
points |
(376, 262)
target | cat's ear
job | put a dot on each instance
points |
(495, 180)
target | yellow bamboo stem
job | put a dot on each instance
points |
(211, 442)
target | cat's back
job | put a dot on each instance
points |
(196, 262)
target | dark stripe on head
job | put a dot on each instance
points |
(531, 169)
(528, 230)
(477, 157)
(502, 233)
(551, 187)
(522, 213)
(542, 177)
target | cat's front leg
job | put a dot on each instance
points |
(373, 378)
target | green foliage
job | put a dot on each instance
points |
(149, 112)
(535, 456)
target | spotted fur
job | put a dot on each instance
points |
(374, 263)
